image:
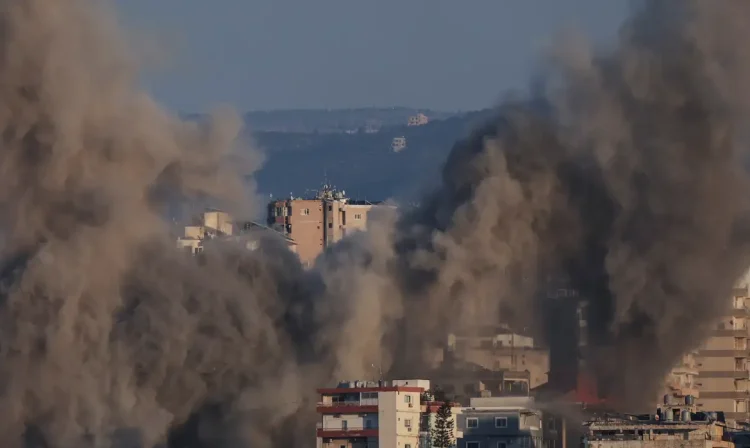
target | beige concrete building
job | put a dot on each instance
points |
(215, 224)
(317, 223)
(302, 221)
(722, 362)
(499, 349)
(363, 414)
(682, 381)
(614, 432)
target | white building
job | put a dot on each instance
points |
(398, 144)
(361, 414)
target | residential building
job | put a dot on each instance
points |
(622, 431)
(500, 349)
(365, 414)
(567, 325)
(398, 144)
(681, 382)
(317, 223)
(500, 422)
(302, 221)
(461, 381)
(723, 380)
(214, 224)
(419, 119)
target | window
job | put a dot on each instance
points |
(305, 212)
(472, 422)
(407, 423)
(740, 406)
(357, 216)
(330, 225)
(330, 208)
(739, 303)
(407, 398)
(408, 445)
(739, 364)
(344, 425)
(472, 444)
(738, 323)
(501, 422)
(740, 343)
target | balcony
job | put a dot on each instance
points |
(348, 407)
(345, 433)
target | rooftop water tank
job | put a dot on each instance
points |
(685, 416)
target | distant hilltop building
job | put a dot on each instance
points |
(418, 120)
(398, 144)
(215, 224)
(316, 223)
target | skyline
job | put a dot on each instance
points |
(260, 55)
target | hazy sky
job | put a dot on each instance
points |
(270, 54)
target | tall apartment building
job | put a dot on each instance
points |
(362, 414)
(317, 223)
(723, 369)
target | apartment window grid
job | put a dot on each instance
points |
(501, 422)
(472, 422)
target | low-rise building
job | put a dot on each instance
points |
(610, 431)
(398, 144)
(218, 225)
(500, 422)
(365, 414)
(419, 119)
(500, 349)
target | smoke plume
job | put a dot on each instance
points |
(624, 171)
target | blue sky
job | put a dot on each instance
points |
(273, 54)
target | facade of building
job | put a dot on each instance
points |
(398, 144)
(723, 382)
(504, 422)
(624, 432)
(681, 382)
(317, 223)
(362, 414)
(419, 119)
(499, 349)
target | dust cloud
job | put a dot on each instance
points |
(622, 171)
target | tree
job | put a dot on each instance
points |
(442, 434)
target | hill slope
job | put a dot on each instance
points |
(362, 164)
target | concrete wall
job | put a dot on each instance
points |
(399, 422)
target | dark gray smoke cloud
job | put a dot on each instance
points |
(624, 171)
